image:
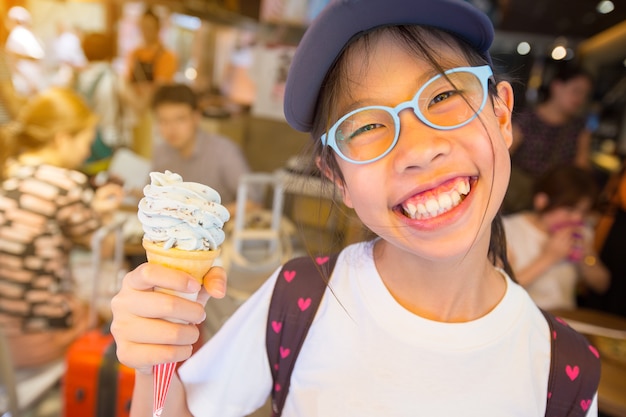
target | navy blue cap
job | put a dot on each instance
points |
(341, 20)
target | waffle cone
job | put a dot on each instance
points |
(196, 263)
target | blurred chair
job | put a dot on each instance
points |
(8, 394)
(257, 242)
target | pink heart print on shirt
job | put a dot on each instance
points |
(585, 404)
(303, 304)
(572, 372)
(321, 260)
(563, 322)
(594, 351)
(277, 326)
(289, 275)
(284, 352)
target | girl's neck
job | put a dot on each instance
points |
(460, 291)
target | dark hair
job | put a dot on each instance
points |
(566, 186)
(419, 41)
(175, 94)
(98, 47)
(563, 73)
(567, 72)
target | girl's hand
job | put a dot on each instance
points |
(559, 244)
(140, 327)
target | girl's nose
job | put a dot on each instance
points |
(418, 145)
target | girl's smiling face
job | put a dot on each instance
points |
(460, 174)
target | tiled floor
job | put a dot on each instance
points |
(49, 406)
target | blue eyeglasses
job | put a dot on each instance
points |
(447, 101)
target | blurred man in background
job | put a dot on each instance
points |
(191, 152)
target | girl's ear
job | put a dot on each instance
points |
(337, 183)
(540, 201)
(503, 109)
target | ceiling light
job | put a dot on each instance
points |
(605, 6)
(191, 73)
(559, 52)
(523, 48)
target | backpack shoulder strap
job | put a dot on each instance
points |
(297, 294)
(574, 371)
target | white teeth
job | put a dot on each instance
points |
(411, 209)
(456, 197)
(432, 206)
(436, 206)
(445, 202)
(463, 187)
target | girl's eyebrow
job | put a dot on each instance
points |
(429, 73)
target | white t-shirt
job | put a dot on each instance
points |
(554, 289)
(367, 356)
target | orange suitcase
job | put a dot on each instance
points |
(95, 383)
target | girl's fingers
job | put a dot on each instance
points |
(147, 276)
(157, 305)
(215, 282)
(143, 357)
(143, 342)
(155, 332)
(140, 323)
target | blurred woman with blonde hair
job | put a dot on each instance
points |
(46, 207)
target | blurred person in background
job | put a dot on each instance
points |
(9, 100)
(550, 247)
(610, 243)
(101, 87)
(191, 152)
(67, 54)
(550, 134)
(46, 207)
(25, 52)
(148, 66)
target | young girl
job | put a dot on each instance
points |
(411, 127)
(46, 207)
(550, 248)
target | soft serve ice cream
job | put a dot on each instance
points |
(184, 215)
(182, 224)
